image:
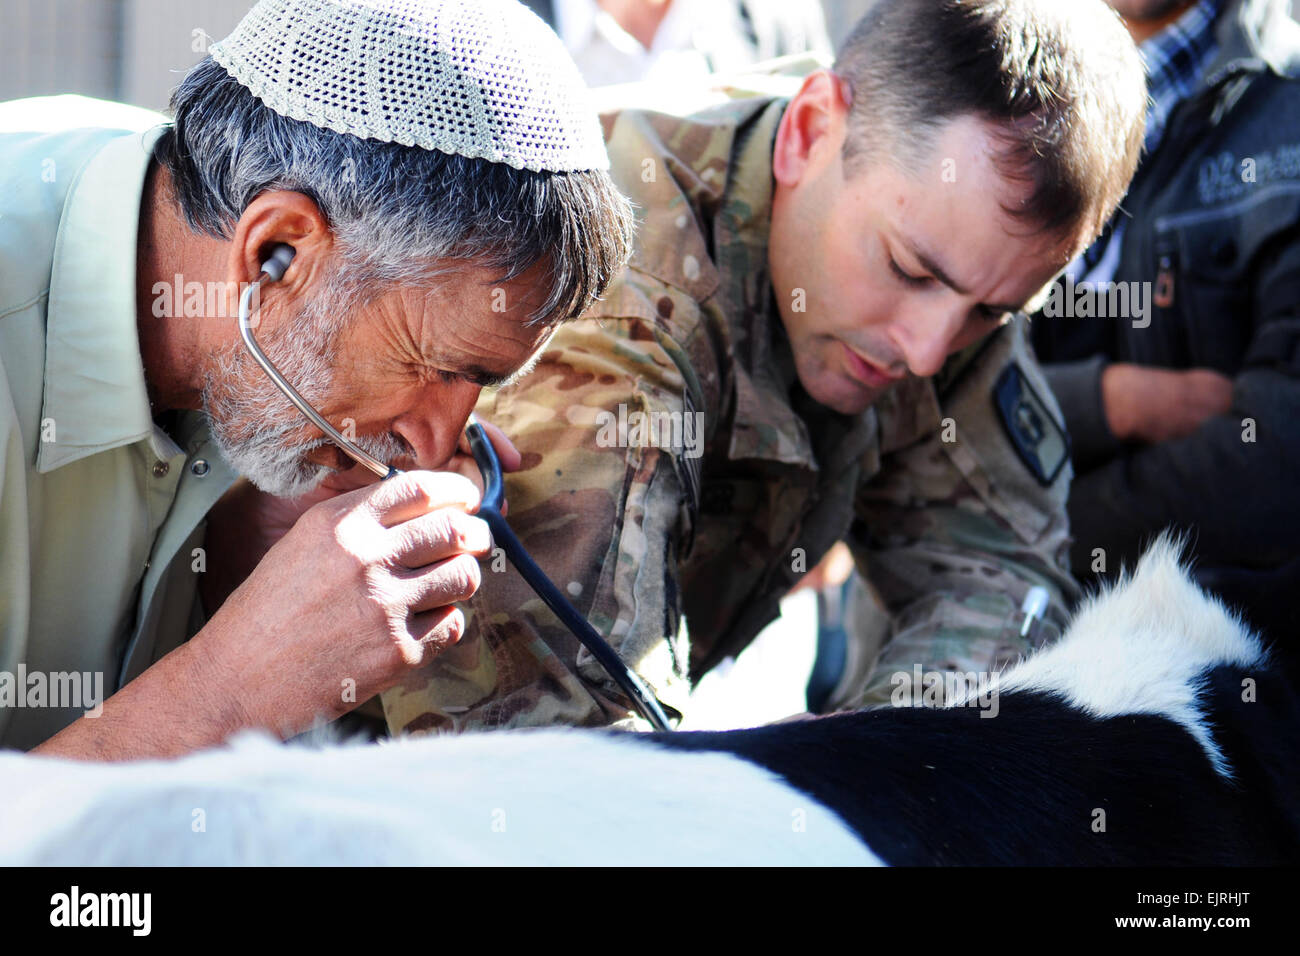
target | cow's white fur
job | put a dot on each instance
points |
(563, 796)
(537, 797)
(1139, 647)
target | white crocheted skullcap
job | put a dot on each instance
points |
(486, 79)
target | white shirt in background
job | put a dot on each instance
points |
(694, 39)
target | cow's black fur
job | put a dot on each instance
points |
(947, 786)
(1154, 732)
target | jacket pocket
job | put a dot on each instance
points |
(1206, 261)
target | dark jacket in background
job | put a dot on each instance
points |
(1225, 253)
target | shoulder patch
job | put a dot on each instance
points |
(1039, 439)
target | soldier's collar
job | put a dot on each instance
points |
(766, 425)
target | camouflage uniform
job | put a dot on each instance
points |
(682, 560)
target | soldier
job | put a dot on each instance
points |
(812, 341)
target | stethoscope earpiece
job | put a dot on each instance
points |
(276, 264)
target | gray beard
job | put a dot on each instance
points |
(251, 421)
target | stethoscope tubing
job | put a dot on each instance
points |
(359, 455)
(490, 511)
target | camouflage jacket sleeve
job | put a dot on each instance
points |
(955, 528)
(599, 504)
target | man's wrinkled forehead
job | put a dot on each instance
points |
(478, 329)
(494, 375)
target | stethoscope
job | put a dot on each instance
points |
(273, 269)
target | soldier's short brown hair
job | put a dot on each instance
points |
(1061, 80)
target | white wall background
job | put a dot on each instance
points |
(134, 51)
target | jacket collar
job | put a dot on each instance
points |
(95, 389)
(766, 425)
(1256, 35)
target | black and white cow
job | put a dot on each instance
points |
(1154, 732)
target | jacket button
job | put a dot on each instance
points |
(1224, 252)
(160, 469)
(200, 467)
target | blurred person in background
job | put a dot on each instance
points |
(1187, 416)
(681, 42)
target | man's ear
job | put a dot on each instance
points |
(281, 216)
(812, 130)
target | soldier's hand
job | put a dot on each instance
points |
(356, 594)
(1152, 405)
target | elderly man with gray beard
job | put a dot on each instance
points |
(441, 181)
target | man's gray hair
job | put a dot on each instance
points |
(401, 214)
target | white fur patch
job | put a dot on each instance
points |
(532, 797)
(1141, 648)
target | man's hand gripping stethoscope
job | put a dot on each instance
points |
(486, 445)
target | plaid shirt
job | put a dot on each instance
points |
(1175, 60)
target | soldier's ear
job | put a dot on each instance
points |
(811, 134)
